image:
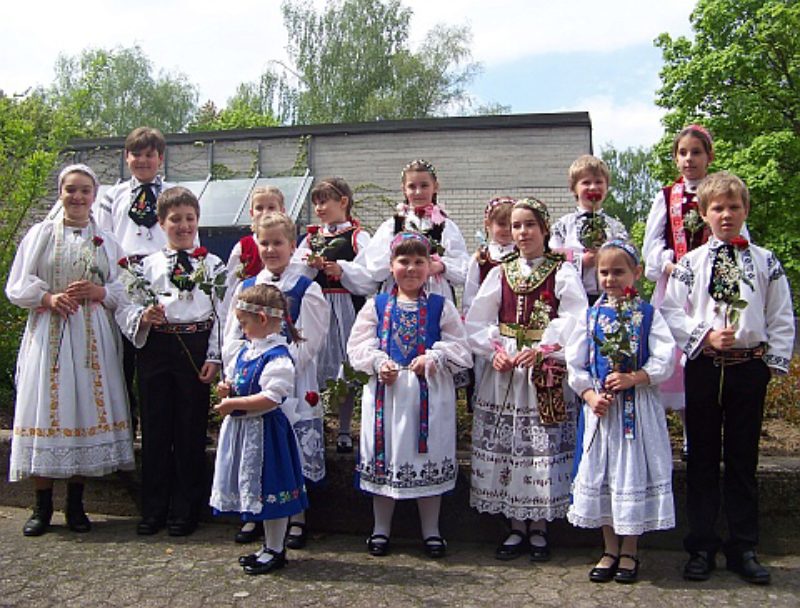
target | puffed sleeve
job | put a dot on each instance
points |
(355, 277)
(558, 235)
(313, 323)
(616, 229)
(481, 323)
(687, 331)
(456, 256)
(363, 346)
(661, 360)
(577, 357)
(472, 284)
(277, 379)
(375, 256)
(116, 294)
(299, 257)
(230, 351)
(655, 253)
(24, 287)
(232, 332)
(572, 305)
(234, 259)
(451, 351)
(215, 267)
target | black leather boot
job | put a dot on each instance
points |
(76, 516)
(39, 520)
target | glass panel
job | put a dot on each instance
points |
(222, 200)
(195, 187)
(294, 191)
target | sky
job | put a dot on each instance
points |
(536, 55)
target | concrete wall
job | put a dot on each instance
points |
(477, 158)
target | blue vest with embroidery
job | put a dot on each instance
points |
(403, 330)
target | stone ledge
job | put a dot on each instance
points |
(337, 506)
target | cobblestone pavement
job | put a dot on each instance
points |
(111, 566)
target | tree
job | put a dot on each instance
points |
(352, 63)
(633, 186)
(32, 134)
(115, 91)
(740, 76)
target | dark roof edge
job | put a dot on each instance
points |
(457, 123)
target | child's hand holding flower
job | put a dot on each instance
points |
(598, 402)
(223, 389)
(154, 315)
(418, 365)
(388, 373)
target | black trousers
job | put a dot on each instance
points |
(129, 354)
(733, 429)
(174, 414)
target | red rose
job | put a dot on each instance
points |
(123, 263)
(420, 211)
(178, 271)
(200, 252)
(97, 241)
(594, 197)
(739, 242)
(312, 229)
(312, 397)
(630, 292)
(547, 296)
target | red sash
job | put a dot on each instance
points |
(675, 210)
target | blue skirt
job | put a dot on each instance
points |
(258, 473)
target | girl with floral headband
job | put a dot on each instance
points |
(409, 342)
(258, 472)
(420, 212)
(523, 434)
(620, 352)
(71, 418)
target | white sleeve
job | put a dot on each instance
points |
(456, 256)
(687, 331)
(472, 284)
(313, 323)
(355, 277)
(572, 305)
(363, 346)
(214, 267)
(116, 293)
(375, 256)
(277, 379)
(24, 287)
(779, 316)
(482, 319)
(298, 261)
(577, 357)
(654, 250)
(451, 350)
(661, 347)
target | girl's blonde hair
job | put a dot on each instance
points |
(270, 296)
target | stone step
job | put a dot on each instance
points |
(338, 506)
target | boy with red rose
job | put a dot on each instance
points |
(179, 358)
(729, 307)
(579, 234)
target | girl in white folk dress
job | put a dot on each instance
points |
(420, 212)
(523, 434)
(410, 343)
(624, 479)
(71, 418)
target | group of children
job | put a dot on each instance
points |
(568, 419)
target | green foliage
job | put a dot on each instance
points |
(354, 64)
(111, 92)
(636, 232)
(783, 396)
(633, 187)
(740, 76)
(32, 133)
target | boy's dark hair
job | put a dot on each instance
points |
(332, 188)
(411, 247)
(175, 197)
(142, 138)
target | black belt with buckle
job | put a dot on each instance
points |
(734, 356)
(184, 328)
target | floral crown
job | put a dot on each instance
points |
(405, 236)
(414, 164)
(258, 308)
(534, 204)
(625, 246)
(496, 202)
